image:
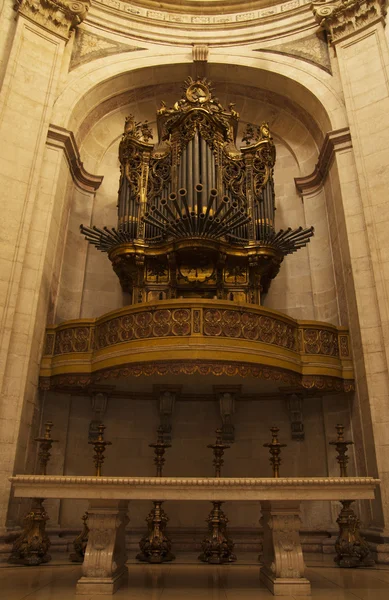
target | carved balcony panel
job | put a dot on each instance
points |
(203, 337)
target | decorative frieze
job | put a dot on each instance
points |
(341, 18)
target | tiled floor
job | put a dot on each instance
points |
(186, 579)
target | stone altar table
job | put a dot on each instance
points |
(283, 565)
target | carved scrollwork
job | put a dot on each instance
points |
(320, 341)
(75, 339)
(159, 323)
(229, 323)
(159, 177)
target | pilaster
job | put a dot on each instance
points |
(26, 100)
(355, 29)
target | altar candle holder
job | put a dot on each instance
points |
(160, 447)
(275, 451)
(45, 444)
(218, 547)
(155, 546)
(31, 547)
(341, 446)
(99, 446)
(351, 547)
(218, 451)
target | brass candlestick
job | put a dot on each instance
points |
(45, 443)
(275, 451)
(351, 547)
(218, 451)
(160, 447)
(99, 446)
(341, 446)
(218, 547)
(32, 546)
(155, 546)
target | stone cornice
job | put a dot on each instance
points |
(64, 139)
(59, 16)
(336, 140)
(342, 18)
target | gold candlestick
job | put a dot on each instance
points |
(218, 547)
(341, 446)
(32, 545)
(275, 451)
(218, 451)
(155, 546)
(99, 446)
(351, 547)
(160, 447)
(45, 443)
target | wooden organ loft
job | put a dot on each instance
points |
(196, 214)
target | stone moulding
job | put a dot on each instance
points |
(61, 138)
(249, 341)
(342, 18)
(188, 488)
(59, 16)
(334, 141)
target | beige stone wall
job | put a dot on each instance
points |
(131, 426)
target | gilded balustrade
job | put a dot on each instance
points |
(197, 336)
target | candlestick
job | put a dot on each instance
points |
(218, 547)
(155, 546)
(45, 444)
(218, 451)
(160, 447)
(275, 451)
(341, 446)
(32, 546)
(351, 547)
(99, 446)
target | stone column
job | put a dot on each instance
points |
(27, 96)
(104, 569)
(356, 31)
(283, 563)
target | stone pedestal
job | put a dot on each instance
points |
(104, 568)
(283, 563)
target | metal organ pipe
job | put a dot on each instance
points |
(189, 172)
(203, 163)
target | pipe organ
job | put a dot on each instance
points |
(196, 214)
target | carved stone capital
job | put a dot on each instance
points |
(341, 18)
(59, 16)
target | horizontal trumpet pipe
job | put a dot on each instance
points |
(153, 220)
(211, 199)
(229, 210)
(168, 209)
(223, 204)
(156, 210)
